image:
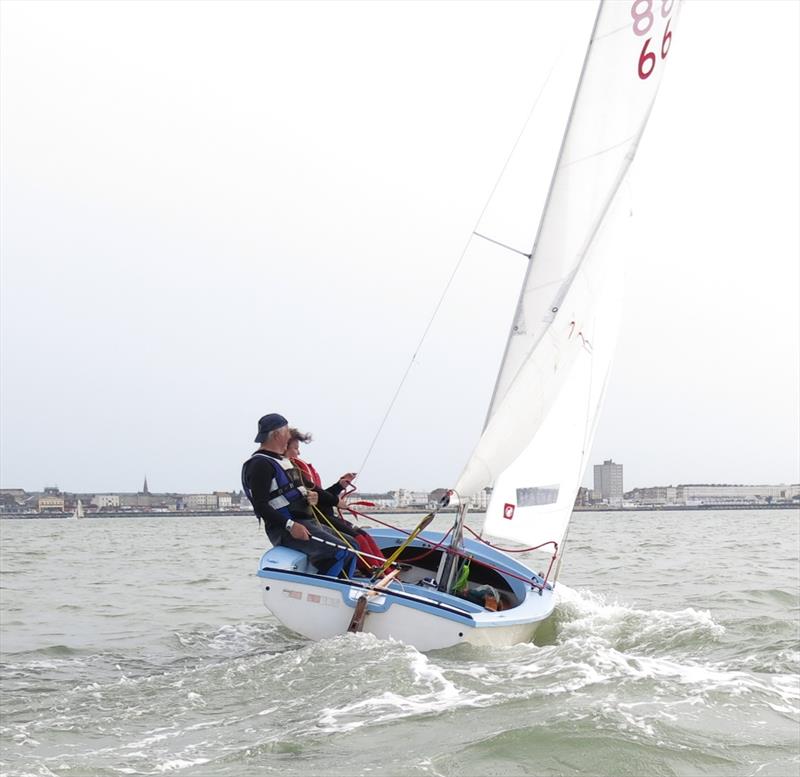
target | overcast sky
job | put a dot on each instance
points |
(211, 211)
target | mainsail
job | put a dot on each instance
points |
(552, 379)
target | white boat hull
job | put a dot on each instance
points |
(318, 608)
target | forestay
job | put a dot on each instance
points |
(552, 379)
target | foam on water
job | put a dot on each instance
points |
(691, 682)
(424, 690)
(586, 613)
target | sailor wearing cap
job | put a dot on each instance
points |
(283, 500)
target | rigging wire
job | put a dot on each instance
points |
(455, 270)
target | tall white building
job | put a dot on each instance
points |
(608, 482)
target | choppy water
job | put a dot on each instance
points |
(140, 646)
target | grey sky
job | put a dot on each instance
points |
(211, 211)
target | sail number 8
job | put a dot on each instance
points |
(643, 20)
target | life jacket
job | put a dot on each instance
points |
(286, 485)
(307, 468)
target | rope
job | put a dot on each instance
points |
(435, 546)
(339, 534)
(529, 581)
(430, 550)
(325, 518)
(373, 518)
(455, 270)
(511, 550)
(407, 533)
(343, 547)
(471, 531)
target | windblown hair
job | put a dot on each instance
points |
(296, 434)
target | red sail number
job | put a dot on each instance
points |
(665, 43)
(644, 58)
(643, 18)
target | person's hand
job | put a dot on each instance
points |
(346, 479)
(299, 532)
(313, 497)
(342, 503)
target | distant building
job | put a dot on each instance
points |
(713, 494)
(654, 495)
(12, 500)
(224, 500)
(717, 494)
(200, 502)
(406, 498)
(103, 501)
(49, 503)
(140, 501)
(480, 501)
(384, 500)
(608, 482)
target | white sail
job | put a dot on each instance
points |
(544, 410)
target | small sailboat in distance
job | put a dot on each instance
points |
(77, 513)
(448, 588)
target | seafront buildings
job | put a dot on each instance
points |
(607, 494)
(52, 501)
(695, 495)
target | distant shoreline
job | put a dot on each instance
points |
(398, 511)
(682, 508)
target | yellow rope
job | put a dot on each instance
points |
(340, 535)
(325, 518)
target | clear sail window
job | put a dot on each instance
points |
(537, 495)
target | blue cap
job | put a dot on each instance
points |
(269, 423)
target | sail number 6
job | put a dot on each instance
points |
(643, 20)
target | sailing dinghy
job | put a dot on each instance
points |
(447, 588)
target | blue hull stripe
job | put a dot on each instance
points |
(439, 609)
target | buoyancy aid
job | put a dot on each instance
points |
(307, 468)
(285, 487)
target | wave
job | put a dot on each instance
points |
(206, 699)
(592, 615)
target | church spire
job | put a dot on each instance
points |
(145, 490)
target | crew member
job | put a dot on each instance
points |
(282, 499)
(354, 534)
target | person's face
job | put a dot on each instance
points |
(293, 449)
(281, 438)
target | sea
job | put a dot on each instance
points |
(140, 646)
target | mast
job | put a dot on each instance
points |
(448, 568)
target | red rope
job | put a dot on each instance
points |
(521, 550)
(430, 550)
(373, 518)
(511, 550)
(500, 570)
(552, 560)
(486, 564)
